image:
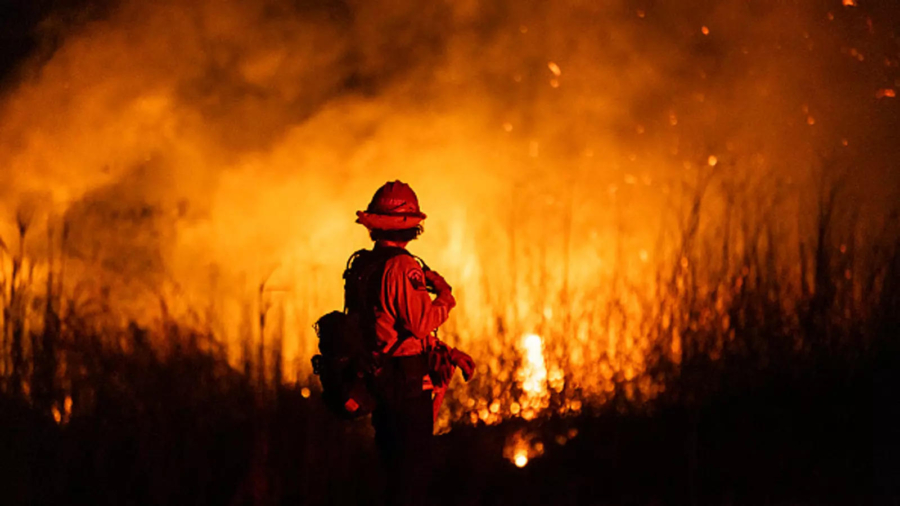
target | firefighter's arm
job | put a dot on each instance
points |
(441, 287)
(405, 283)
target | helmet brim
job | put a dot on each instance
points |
(388, 221)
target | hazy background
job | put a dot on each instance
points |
(192, 152)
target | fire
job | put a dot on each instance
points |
(521, 458)
(216, 191)
(522, 447)
(532, 376)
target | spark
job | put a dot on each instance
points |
(705, 30)
(712, 160)
(554, 68)
(849, 3)
(304, 392)
(886, 93)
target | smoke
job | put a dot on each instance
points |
(193, 150)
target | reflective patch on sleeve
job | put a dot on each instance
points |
(416, 279)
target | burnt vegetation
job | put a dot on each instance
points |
(782, 391)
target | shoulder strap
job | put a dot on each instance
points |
(363, 275)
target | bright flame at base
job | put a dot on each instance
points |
(533, 376)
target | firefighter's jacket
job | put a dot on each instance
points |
(406, 310)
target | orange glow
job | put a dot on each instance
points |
(216, 191)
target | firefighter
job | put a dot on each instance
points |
(405, 319)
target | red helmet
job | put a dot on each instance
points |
(394, 207)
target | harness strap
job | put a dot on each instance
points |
(363, 279)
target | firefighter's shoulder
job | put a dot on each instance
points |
(406, 266)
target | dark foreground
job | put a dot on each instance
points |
(823, 437)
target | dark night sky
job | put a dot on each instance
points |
(21, 28)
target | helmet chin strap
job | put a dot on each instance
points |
(393, 244)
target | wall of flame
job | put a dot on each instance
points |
(203, 161)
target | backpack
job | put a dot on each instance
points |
(348, 358)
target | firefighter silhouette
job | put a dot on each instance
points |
(402, 303)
